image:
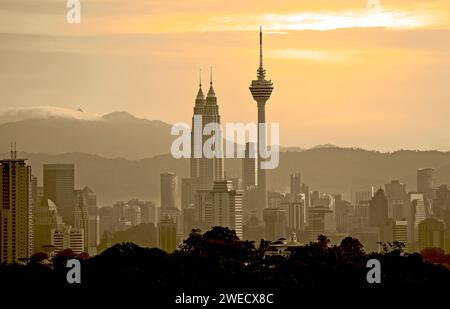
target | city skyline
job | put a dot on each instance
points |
(335, 72)
(279, 172)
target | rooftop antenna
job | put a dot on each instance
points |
(200, 78)
(210, 76)
(260, 48)
(15, 151)
(12, 152)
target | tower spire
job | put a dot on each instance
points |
(200, 95)
(261, 71)
(211, 93)
(260, 48)
(210, 76)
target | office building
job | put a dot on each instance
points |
(67, 237)
(188, 220)
(378, 209)
(318, 222)
(296, 184)
(227, 206)
(167, 234)
(431, 234)
(45, 219)
(425, 182)
(400, 232)
(59, 186)
(249, 167)
(187, 193)
(274, 223)
(168, 190)
(397, 200)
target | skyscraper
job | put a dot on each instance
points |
(249, 166)
(261, 90)
(275, 223)
(378, 209)
(417, 215)
(16, 232)
(203, 210)
(400, 232)
(187, 193)
(204, 171)
(296, 183)
(358, 196)
(67, 237)
(167, 231)
(59, 186)
(431, 234)
(227, 206)
(425, 180)
(188, 220)
(397, 199)
(319, 221)
(441, 204)
(148, 211)
(168, 190)
(45, 218)
(296, 211)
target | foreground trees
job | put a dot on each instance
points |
(218, 259)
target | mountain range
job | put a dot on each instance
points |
(120, 156)
(114, 135)
(330, 170)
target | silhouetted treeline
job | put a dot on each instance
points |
(218, 259)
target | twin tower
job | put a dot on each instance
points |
(205, 170)
(208, 170)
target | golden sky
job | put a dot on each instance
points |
(343, 74)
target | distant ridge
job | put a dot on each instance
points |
(58, 130)
(331, 170)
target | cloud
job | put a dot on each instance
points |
(325, 21)
(44, 112)
(316, 55)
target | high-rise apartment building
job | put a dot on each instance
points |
(16, 217)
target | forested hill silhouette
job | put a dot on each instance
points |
(331, 170)
(217, 259)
